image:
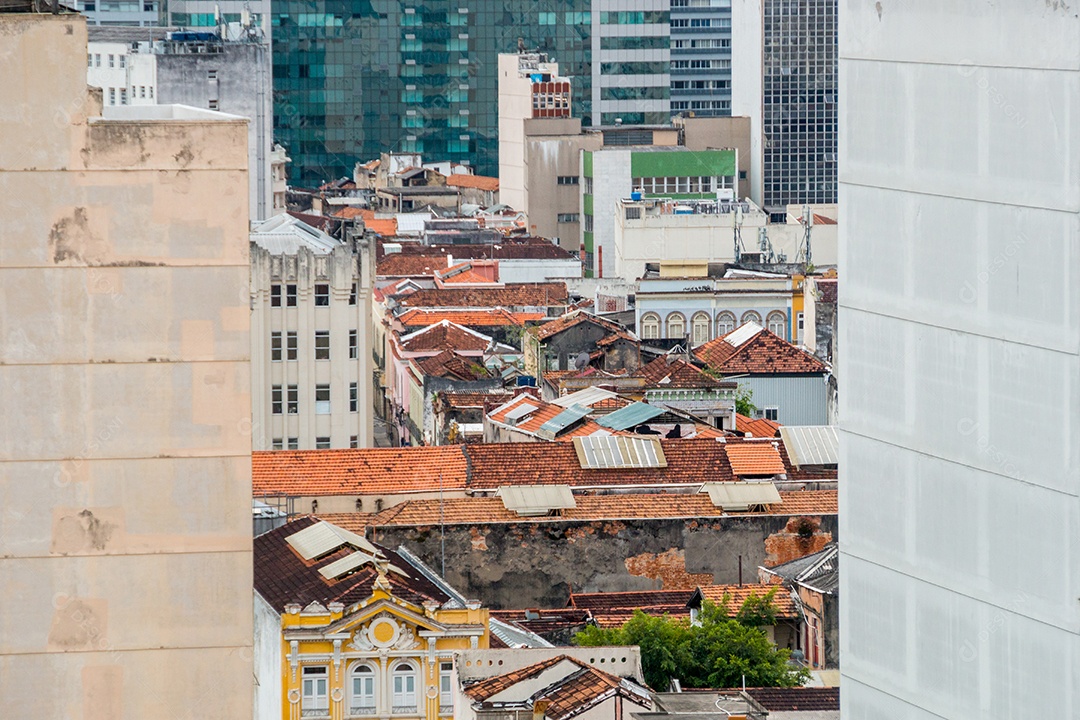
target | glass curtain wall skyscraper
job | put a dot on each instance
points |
(701, 57)
(356, 78)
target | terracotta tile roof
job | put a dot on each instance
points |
(636, 506)
(364, 471)
(449, 364)
(632, 600)
(468, 276)
(749, 458)
(759, 427)
(530, 248)
(828, 288)
(735, 595)
(348, 213)
(794, 699)
(576, 317)
(763, 354)
(402, 265)
(668, 371)
(480, 182)
(511, 295)
(444, 335)
(613, 403)
(544, 620)
(282, 576)
(489, 317)
(386, 227)
(472, 399)
(568, 696)
(544, 412)
(483, 689)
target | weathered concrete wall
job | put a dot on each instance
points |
(536, 564)
(125, 458)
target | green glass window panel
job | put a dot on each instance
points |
(587, 204)
(638, 42)
(547, 18)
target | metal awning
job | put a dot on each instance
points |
(811, 444)
(562, 421)
(532, 500)
(323, 538)
(608, 452)
(741, 495)
(630, 416)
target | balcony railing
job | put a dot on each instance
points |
(315, 711)
(362, 711)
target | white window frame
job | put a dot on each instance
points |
(404, 684)
(650, 326)
(275, 347)
(680, 319)
(726, 322)
(446, 688)
(322, 399)
(322, 295)
(322, 344)
(699, 328)
(315, 691)
(771, 413)
(364, 702)
(354, 344)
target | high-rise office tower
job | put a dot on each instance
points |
(701, 57)
(125, 447)
(959, 335)
(355, 81)
(784, 77)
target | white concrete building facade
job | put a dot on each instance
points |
(960, 347)
(311, 338)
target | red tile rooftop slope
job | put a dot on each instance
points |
(365, 471)
(669, 371)
(750, 458)
(444, 336)
(489, 687)
(449, 364)
(544, 412)
(763, 354)
(733, 596)
(793, 699)
(574, 318)
(480, 182)
(590, 508)
(544, 620)
(493, 317)
(399, 265)
(512, 295)
(630, 600)
(282, 576)
(517, 248)
(759, 427)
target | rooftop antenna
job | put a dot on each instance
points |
(808, 226)
(765, 245)
(736, 224)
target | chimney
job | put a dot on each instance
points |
(540, 708)
(449, 260)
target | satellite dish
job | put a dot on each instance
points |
(581, 361)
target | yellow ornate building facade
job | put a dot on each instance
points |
(364, 632)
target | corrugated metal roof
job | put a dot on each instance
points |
(323, 538)
(811, 444)
(345, 565)
(521, 411)
(563, 420)
(587, 397)
(611, 452)
(741, 334)
(741, 495)
(530, 500)
(630, 416)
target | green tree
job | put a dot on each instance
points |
(717, 651)
(744, 401)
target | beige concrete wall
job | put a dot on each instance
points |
(125, 525)
(705, 133)
(550, 153)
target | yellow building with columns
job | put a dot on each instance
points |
(362, 631)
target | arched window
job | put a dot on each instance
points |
(362, 701)
(676, 326)
(778, 324)
(750, 316)
(650, 326)
(404, 679)
(725, 323)
(700, 327)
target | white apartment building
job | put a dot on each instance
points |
(310, 333)
(114, 64)
(960, 349)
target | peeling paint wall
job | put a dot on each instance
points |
(125, 455)
(534, 564)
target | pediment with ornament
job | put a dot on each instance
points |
(384, 632)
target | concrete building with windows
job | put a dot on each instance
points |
(784, 77)
(310, 338)
(147, 66)
(701, 57)
(125, 452)
(960, 350)
(612, 173)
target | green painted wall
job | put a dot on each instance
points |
(708, 163)
(588, 239)
(587, 204)
(586, 162)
